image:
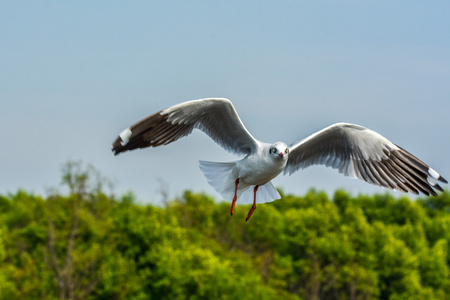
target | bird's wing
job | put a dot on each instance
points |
(362, 153)
(216, 117)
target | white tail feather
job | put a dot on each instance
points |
(222, 177)
(217, 173)
(265, 193)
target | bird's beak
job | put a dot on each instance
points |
(281, 154)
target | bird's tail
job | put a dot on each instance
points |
(222, 176)
(217, 174)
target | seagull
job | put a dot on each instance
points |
(353, 150)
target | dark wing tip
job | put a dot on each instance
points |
(116, 149)
(152, 131)
(438, 187)
(442, 179)
(120, 145)
(124, 141)
(419, 174)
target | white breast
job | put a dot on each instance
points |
(258, 169)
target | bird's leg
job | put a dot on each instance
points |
(254, 203)
(235, 196)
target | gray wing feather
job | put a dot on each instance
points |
(362, 153)
(216, 117)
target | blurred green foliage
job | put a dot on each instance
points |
(89, 245)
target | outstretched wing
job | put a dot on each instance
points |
(216, 117)
(362, 153)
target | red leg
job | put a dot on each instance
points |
(235, 196)
(254, 203)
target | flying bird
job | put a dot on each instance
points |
(353, 150)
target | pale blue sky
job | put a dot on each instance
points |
(74, 74)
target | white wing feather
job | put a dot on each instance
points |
(216, 117)
(362, 153)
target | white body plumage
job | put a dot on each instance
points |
(256, 169)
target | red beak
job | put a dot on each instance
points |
(281, 154)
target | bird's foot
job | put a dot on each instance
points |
(250, 212)
(233, 204)
(252, 209)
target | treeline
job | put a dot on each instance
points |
(85, 244)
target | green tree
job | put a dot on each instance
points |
(78, 228)
(85, 244)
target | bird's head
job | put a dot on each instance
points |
(279, 150)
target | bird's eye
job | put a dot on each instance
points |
(286, 151)
(274, 150)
